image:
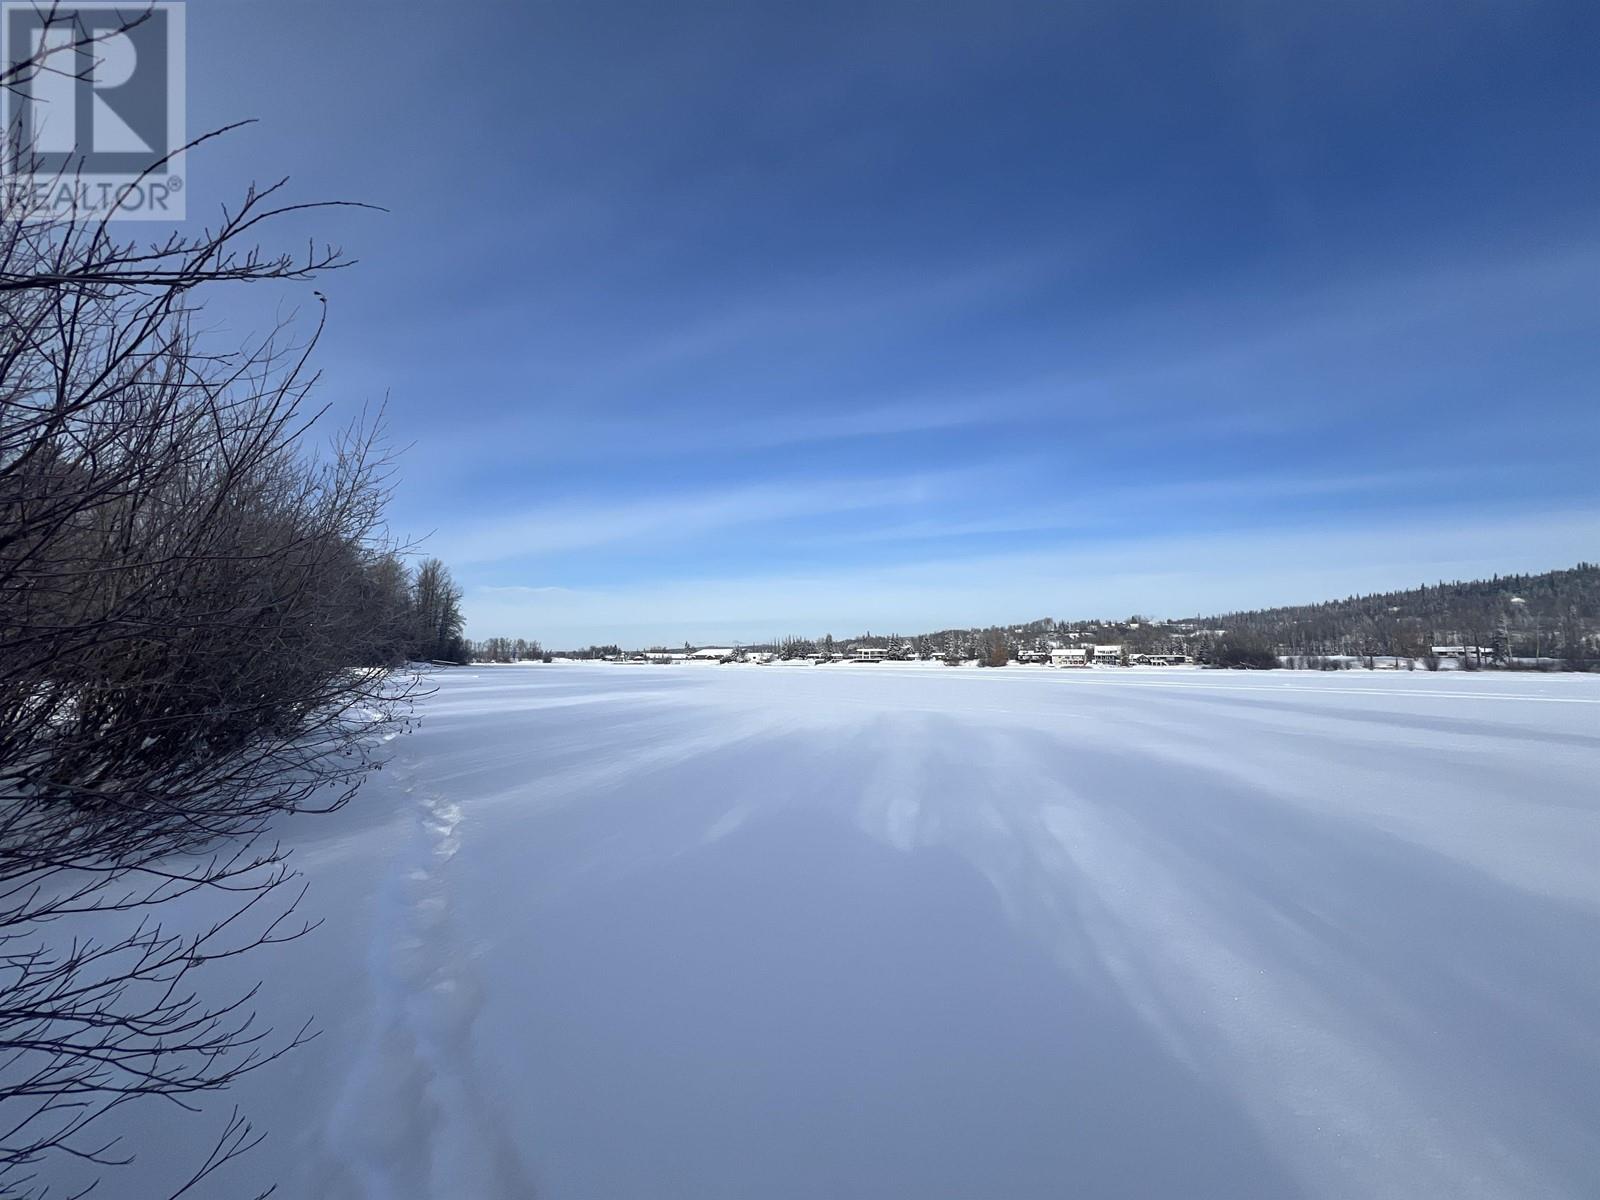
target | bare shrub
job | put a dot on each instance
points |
(195, 615)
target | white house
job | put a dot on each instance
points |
(712, 654)
(1071, 656)
(870, 654)
(1477, 652)
(1108, 656)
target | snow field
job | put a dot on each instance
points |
(611, 932)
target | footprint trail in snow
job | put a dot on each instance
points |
(412, 1121)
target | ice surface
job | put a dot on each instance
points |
(611, 932)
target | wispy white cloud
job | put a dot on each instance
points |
(684, 516)
(858, 302)
(1258, 354)
(1098, 508)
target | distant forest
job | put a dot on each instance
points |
(1555, 615)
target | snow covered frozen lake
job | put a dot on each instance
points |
(630, 933)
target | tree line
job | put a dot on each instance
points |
(1550, 618)
(198, 613)
(508, 650)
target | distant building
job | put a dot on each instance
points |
(869, 654)
(1108, 656)
(1476, 652)
(712, 654)
(1071, 656)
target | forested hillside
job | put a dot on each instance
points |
(1552, 615)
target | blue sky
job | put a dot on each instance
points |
(716, 321)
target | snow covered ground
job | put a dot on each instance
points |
(629, 933)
